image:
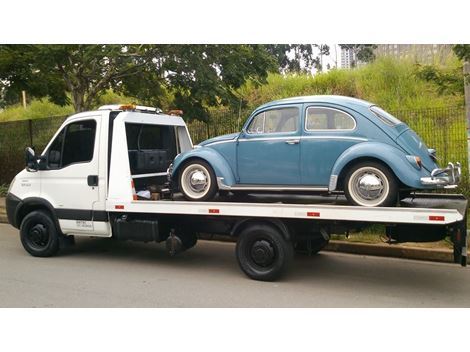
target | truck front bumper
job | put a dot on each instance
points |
(444, 178)
(12, 204)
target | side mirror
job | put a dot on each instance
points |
(31, 160)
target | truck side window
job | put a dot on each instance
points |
(55, 151)
(74, 144)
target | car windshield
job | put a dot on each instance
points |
(385, 116)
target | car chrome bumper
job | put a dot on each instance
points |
(447, 178)
(169, 172)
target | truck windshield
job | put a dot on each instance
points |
(384, 116)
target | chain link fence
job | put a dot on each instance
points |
(444, 129)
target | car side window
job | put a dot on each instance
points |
(74, 144)
(322, 118)
(275, 121)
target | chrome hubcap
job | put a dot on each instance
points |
(198, 180)
(369, 186)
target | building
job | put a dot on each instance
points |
(423, 53)
(349, 59)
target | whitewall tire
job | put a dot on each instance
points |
(197, 181)
(371, 184)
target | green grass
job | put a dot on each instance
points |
(41, 108)
(4, 189)
(390, 83)
(37, 109)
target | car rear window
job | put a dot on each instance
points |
(384, 116)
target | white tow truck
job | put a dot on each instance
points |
(104, 174)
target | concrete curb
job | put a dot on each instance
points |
(395, 251)
(379, 249)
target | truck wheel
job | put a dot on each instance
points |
(263, 253)
(310, 247)
(197, 181)
(39, 234)
(371, 184)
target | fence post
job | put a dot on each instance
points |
(30, 125)
(466, 77)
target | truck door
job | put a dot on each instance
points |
(69, 179)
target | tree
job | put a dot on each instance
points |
(197, 76)
(298, 58)
(462, 51)
(361, 52)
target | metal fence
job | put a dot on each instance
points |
(444, 129)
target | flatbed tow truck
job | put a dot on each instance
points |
(103, 174)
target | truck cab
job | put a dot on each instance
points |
(71, 177)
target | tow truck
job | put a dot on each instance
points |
(104, 174)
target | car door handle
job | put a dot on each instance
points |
(293, 141)
(92, 180)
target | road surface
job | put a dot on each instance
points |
(107, 273)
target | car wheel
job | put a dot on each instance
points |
(197, 181)
(263, 253)
(371, 184)
(39, 235)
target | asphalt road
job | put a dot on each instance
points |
(106, 273)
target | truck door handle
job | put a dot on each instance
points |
(92, 180)
(293, 141)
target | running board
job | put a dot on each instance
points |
(272, 188)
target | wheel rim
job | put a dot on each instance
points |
(368, 186)
(261, 253)
(38, 236)
(196, 181)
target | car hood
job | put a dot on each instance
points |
(414, 145)
(225, 137)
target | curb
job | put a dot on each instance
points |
(393, 250)
(379, 250)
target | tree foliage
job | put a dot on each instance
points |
(299, 58)
(197, 76)
(462, 51)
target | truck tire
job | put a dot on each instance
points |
(39, 235)
(263, 253)
(197, 181)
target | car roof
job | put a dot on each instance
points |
(333, 99)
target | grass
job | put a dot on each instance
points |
(4, 190)
(390, 83)
(41, 108)
(38, 108)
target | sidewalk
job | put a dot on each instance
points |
(408, 251)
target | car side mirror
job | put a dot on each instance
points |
(31, 160)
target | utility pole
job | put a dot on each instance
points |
(23, 95)
(466, 75)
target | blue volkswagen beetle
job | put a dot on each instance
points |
(315, 144)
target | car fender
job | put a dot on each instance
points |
(392, 156)
(218, 163)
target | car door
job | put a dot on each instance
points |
(268, 149)
(327, 132)
(70, 177)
